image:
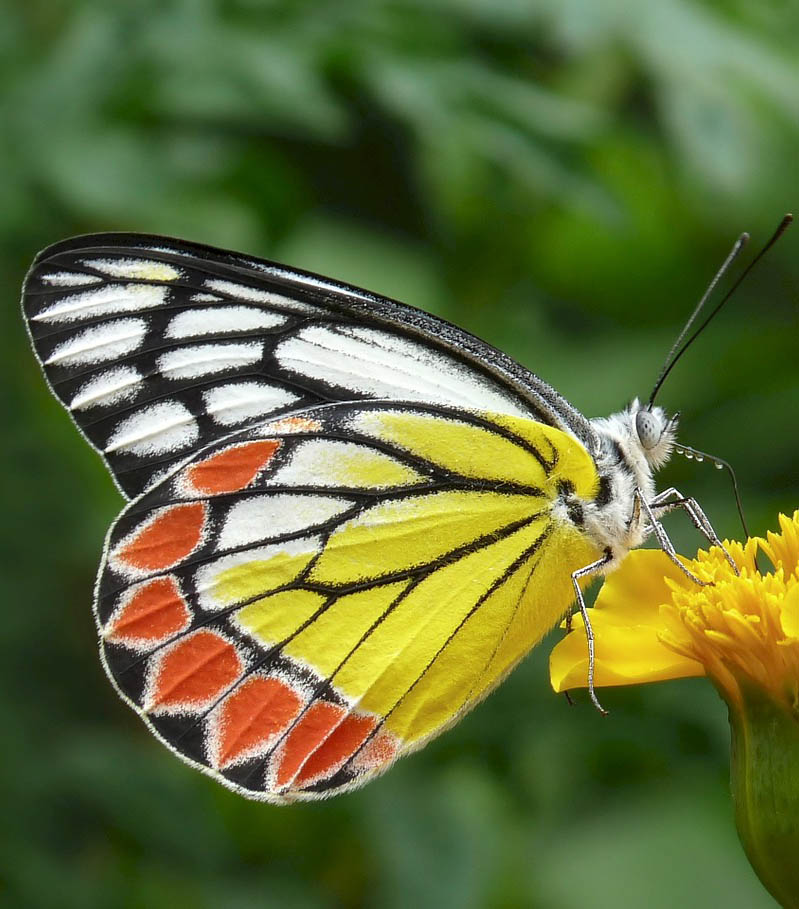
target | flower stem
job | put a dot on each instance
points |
(764, 777)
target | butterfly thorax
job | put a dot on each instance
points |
(625, 464)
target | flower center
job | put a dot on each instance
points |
(743, 628)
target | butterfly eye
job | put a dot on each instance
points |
(649, 429)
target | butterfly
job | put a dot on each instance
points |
(348, 520)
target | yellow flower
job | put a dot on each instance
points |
(740, 628)
(651, 622)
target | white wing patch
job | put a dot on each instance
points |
(157, 429)
(382, 365)
(237, 401)
(206, 298)
(193, 323)
(102, 301)
(136, 269)
(253, 295)
(100, 343)
(111, 387)
(260, 517)
(208, 359)
(69, 279)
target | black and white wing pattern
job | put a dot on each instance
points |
(159, 347)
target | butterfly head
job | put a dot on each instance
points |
(654, 431)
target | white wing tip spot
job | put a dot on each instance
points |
(136, 269)
(68, 279)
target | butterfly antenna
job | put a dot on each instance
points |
(679, 348)
(672, 356)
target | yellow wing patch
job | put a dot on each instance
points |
(466, 668)
(547, 594)
(396, 655)
(274, 618)
(467, 449)
(335, 634)
(252, 579)
(567, 458)
(398, 535)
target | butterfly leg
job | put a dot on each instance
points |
(663, 539)
(661, 505)
(593, 568)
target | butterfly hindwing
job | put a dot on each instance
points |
(304, 601)
(159, 347)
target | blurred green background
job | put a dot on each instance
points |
(561, 177)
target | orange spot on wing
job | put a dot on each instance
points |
(232, 469)
(341, 744)
(379, 751)
(253, 714)
(167, 539)
(320, 718)
(195, 671)
(155, 611)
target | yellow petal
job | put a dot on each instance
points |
(626, 620)
(625, 655)
(633, 594)
(783, 548)
(789, 613)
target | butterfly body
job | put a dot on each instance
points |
(626, 468)
(348, 520)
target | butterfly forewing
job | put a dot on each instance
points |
(305, 601)
(159, 347)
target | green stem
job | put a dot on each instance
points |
(764, 776)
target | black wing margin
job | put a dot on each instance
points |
(158, 347)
